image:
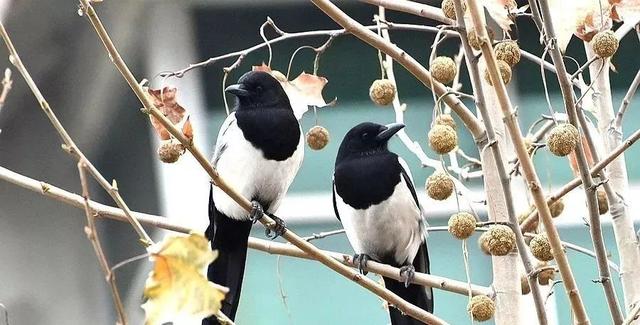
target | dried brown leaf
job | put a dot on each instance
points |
(165, 100)
(187, 129)
(303, 91)
(499, 11)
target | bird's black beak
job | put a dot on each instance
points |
(238, 90)
(387, 131)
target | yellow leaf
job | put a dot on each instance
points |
(177, 289)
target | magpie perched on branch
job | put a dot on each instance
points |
(259, 151)
(374, 198)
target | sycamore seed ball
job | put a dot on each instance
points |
(439, 186)
(170, 151)
(603, 202)
(443, 69)
(462, 225)
(605, 44)
(524, 285)
(505, 72)
(442, 139)
(382, 92)
(317, 137)
(474, 38)
(445, 119)
(562, 139)
(556, 208)
(540, 247)
(501, 240)
(449, 10)
(508, 51)
(483, 243)
(522, 217)
(481, 308)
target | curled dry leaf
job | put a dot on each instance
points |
(500, 11)
(596, 20)
(582, 18)
(187, 129)
(625, 10)
(176, 289)
(303, 91)
(165, 100)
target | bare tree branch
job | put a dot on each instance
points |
(403, 58)
(92, 234)
(69, 144)
(105, 211)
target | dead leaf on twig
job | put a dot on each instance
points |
(165, 100)
(625, 10)
(303, 91)
(499, 10)
(176, 289)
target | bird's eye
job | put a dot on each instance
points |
(365, 135)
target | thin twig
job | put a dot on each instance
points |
(7, 84)
(324, 234)
(108, 212)
(625, 103)
(113, 213)
(583, 67)
(633, 314)
(288, 36)
(70, 145)
(408, 62)
(92, 234)
(414, 8)
(218, 181)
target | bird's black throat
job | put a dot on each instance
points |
(274, 131)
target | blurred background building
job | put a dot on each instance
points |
(48, 271)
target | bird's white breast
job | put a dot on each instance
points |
(393, 226)
(244, 168)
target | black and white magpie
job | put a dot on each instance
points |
(258, 151)
(374, 198)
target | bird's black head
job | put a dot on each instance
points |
(366, 139)
(257, 89)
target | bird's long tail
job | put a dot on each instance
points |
(415, 294)
(229, 237)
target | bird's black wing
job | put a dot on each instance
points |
(335, 206)
(222, 140)
(404, 169)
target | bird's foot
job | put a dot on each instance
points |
(278, 230)
(256, 212)
(407, 273)
(361, 262)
